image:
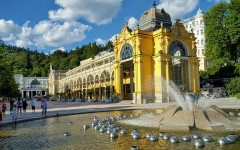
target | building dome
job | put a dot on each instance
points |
(154, 19)
(35, 82)
(199, 14)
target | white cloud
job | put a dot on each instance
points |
(45, 33)
(178, 8)
(94, 11)
(113, 38)
(62, 28)
(8, 30)
(132, 22)
(100, 41)
(57, 34)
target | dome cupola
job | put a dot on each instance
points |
(35, 82)
(199, 14)
(154, 19)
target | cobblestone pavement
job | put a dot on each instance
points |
(68, 108)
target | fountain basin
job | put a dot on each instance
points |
(174, 118)
(48, 134)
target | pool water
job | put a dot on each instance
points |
(48, 134)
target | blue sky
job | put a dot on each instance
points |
(47, 25)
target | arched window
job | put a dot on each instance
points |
(177, 48)
(126, 52)
(179, 64)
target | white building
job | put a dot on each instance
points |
(31, 86)
(196, 25)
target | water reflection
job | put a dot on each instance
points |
(49, 134)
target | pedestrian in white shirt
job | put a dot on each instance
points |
(32, 104)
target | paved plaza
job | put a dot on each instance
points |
(57, 108)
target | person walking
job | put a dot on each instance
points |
(4, 108)
(19, 105)
(14, 114)
(25, 104)
(11, 104)
(44, 107)
(32, 104)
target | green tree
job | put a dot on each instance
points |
(222, 37)
(8, 86)
(234, 86)
(232, 22)
(217, 40)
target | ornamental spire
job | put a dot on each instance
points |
(154, 4)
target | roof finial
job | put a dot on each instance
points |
(154, 4)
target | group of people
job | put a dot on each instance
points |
(16, 107)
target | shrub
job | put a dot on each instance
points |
(238, 95)
(233, 87)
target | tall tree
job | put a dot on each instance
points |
(233, 28)
(8, 86)
(222, 35)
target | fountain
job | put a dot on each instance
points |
(191, 112)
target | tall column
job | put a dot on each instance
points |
(194, 75)
(121, 82)
(105, 92)
(111, 87)
(27, 94)
(137, 96)
(100, 95)
(94, 93)
(111, 91)
(131, 81)
(22, 94)
(83, 97)
(118, 79)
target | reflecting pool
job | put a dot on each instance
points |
(49, 134)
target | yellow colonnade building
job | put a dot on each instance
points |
(134, 68)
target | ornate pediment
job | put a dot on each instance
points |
(125, 33)
(179, 29)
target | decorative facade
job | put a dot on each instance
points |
(134, 68)
(31, 86)
(196, 25)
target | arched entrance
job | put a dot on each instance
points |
(179, 65)
(127, 72)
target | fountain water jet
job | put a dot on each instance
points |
(190, 113)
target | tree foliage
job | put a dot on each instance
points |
(8, 86)
(222, 37)
(32, 63)
(16, 60)
(234, 86)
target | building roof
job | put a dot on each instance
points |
(35, 82)
(154, 19)
(106, 51)
(199, 14)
